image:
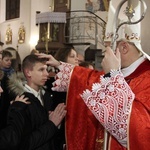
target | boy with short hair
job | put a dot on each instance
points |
(42, 121)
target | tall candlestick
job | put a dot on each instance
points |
(129, 3)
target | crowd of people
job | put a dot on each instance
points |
(32, 115)
(57, 103)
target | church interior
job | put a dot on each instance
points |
(47, 25)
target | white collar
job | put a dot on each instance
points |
(34, 92)
(31, 90)
(127, 71)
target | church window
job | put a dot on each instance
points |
(12, 9)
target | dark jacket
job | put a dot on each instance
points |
(4, 102)
(59, 97)
(10, 136)
(5, 99)
(38, 130)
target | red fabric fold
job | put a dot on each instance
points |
(82, 128)
(84, 132)
(139, 126)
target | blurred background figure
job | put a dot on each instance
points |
(68, 55)
(6, 63)
(6, 66)
(0, 58)
(87, 65)
(10, 136)
(80, 58)
(33, 51)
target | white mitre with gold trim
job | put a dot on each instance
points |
(132, 33)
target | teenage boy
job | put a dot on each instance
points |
(41, 121)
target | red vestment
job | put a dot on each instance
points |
(139, 127)
(82, 128)
(81, 125)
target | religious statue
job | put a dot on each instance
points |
(21, 35)
(8, 38)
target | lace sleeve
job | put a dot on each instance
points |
(62, 78)
(110, 101)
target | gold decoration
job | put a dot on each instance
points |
(21, 35)
(46, 36)
(8, 38)
(106, 4)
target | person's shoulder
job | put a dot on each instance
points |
(17, 105)
(28, 94)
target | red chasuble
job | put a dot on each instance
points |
(83, 130)
(139, 127)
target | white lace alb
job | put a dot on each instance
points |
(62, 78)
(110, 101)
